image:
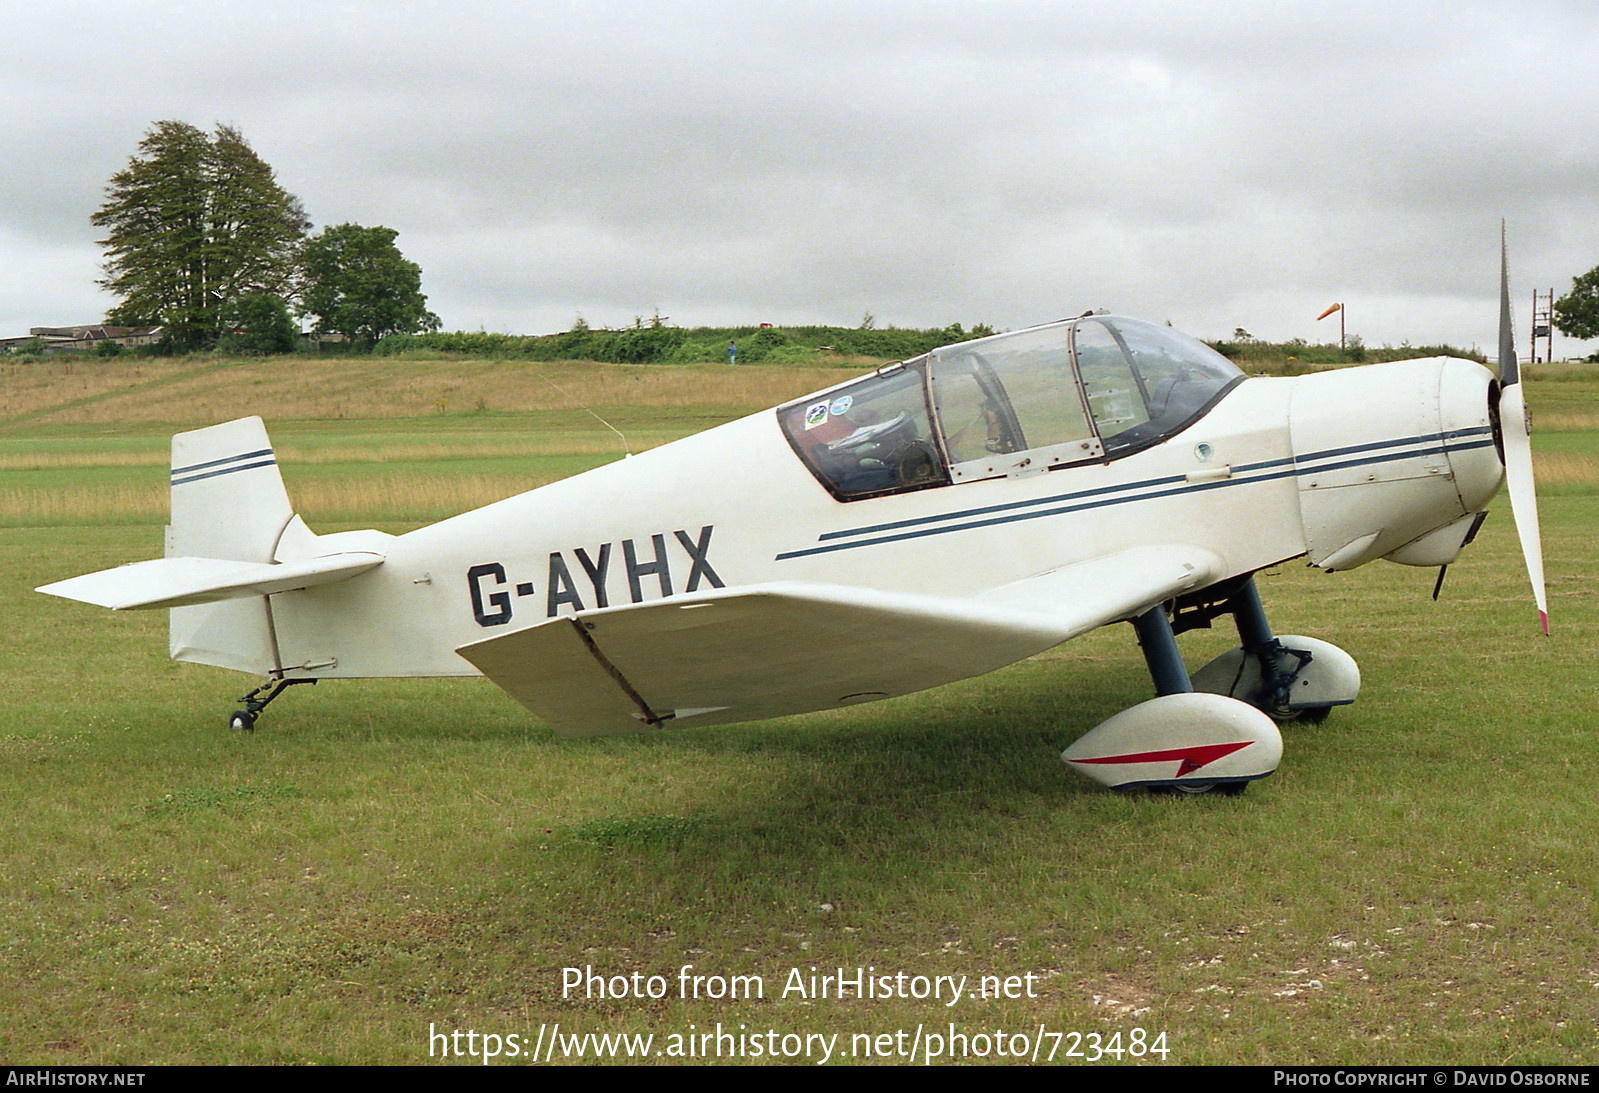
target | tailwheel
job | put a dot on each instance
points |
(257, 700)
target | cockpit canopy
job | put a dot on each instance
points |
(1089, 389)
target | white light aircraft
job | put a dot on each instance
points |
(939, 518)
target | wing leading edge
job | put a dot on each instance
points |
(788, 647)
(180, 582)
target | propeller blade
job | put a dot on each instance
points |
(1523, 499)
(1515, 434)
(1509, 370)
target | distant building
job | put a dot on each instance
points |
(79, 339)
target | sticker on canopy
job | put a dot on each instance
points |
(815, 415)
(841, 405)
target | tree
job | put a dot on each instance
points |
(1577, 312)
(259, 324)
(193, 223)
(357, 283)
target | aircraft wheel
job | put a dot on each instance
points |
(242, 721)
(1315, 715)
(1200, 789)
(1330, 678)
(1221, 742)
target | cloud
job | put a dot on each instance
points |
(1214, 164)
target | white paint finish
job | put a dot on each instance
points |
(766, 509)
(227, 496)
(1438, 547)
(1167, 740)
(227, 502)
(754, 592)
(182, 582)
(1330, 678)
(785, 648)
(1378, 449)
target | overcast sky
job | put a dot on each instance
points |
(1214, 163)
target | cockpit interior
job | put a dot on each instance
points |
(1083, 390)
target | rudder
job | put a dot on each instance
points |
(228, 502)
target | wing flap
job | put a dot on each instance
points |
(181, 582)
(785, 648)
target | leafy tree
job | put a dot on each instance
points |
(259, 324)
(1577, 312)
(357, 283)
(193, 223)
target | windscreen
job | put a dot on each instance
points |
(1144, 382)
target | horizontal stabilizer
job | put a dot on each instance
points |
(785, 648)
(180, 582)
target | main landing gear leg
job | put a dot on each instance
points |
(244, 720)
(1291, 677)
(1279, 665)
(1182, 741)
(1159, 644)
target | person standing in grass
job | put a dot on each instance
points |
(732, 353)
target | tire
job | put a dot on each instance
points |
(1200, 789)
(1312, 715)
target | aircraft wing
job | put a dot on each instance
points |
(181, 582)
(789, 647)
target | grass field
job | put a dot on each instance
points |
(1415, 885)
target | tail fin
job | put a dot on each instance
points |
(228, 499)
(233, 542)
(228, 502)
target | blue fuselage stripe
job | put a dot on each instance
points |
(1130, 492)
